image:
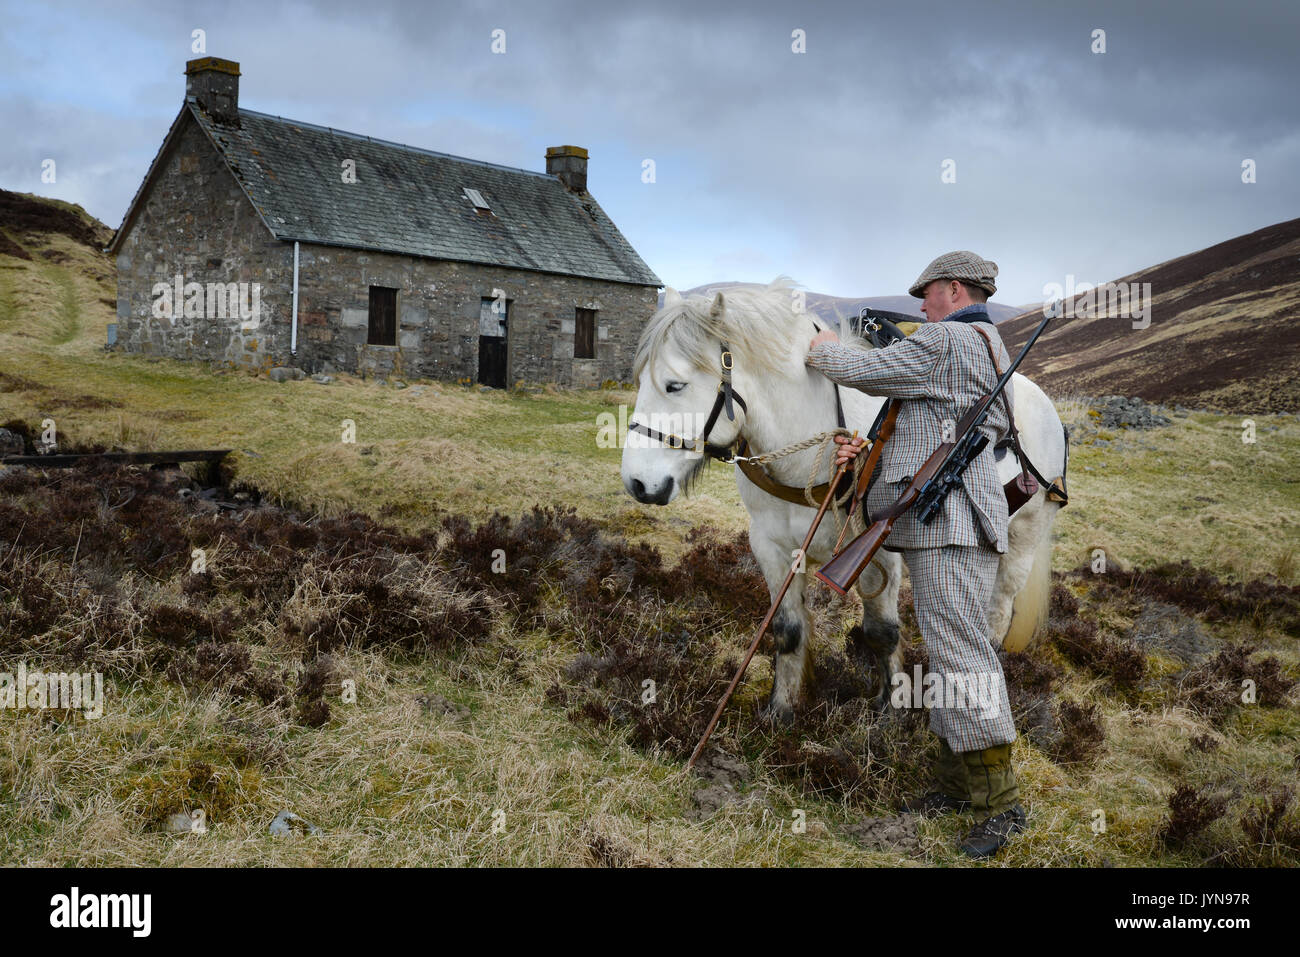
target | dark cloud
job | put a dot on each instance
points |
(825, 165)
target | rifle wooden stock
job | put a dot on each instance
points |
(843, 570)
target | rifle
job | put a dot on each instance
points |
(937, 476)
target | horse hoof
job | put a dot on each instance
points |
(779, 716)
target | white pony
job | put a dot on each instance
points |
(678, 374)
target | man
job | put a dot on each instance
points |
(939, 372)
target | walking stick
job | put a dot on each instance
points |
(771, 612)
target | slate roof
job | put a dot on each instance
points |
(411, 201)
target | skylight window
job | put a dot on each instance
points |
(475, 197)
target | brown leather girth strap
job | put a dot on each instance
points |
(758, 475)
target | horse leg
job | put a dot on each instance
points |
(876, 642)
(791, 628)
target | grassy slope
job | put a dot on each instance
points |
(1222, 331)
(393, 784)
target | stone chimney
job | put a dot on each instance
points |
(214, 83)
(570, 164)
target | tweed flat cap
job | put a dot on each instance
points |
(962, 265)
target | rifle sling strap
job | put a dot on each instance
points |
(1054, 491)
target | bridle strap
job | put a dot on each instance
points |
(727, 398)
(726, 395)
(727, 361)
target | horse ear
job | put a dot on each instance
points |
(671, 296)
(719, 306)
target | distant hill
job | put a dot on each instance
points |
(57, 286)
(1224, 332)
(27, 216)
(833, 308)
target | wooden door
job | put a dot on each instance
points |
(494, 333)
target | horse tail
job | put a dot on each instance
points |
(1029, 610)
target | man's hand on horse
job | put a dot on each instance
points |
(826, 335)
(847, 448)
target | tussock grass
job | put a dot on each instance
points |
(442, 735)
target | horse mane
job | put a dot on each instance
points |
(759, 324)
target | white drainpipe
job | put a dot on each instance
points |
(293, 335)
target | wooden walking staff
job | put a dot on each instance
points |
(771, 612)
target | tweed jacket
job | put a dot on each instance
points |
(940, 370)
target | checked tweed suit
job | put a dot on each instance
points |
(940, 370)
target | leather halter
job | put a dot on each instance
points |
(727, 398)
(737, 452)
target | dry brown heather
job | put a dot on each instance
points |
(369, 566)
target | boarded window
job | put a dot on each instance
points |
(584, 334)
(493, 316)
(383, 317)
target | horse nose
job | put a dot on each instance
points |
(658, 497)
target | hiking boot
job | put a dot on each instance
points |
(933, 803)
(987, 837)
(994, 796)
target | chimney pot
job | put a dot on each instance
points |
(214, 84)
(569, 163)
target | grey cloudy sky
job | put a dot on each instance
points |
(823, 165)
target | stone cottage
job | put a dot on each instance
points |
(260, 241)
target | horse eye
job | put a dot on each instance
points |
(675, 386)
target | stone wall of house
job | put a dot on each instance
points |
(196, 223)
(438, 307)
